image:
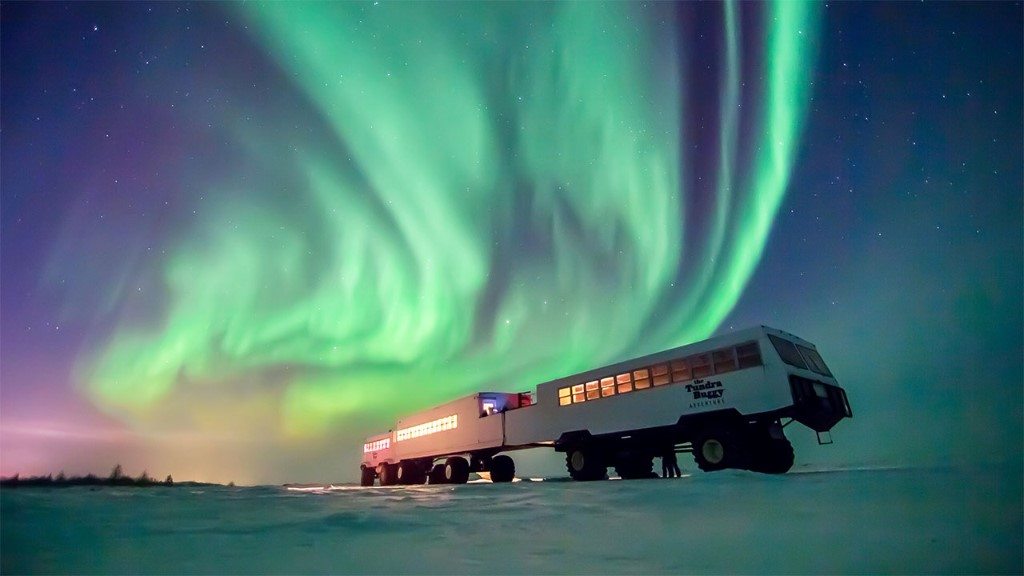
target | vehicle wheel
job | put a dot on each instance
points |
(409, 473)
(388, 475)
(436, 475)
(632, 466)
(715, 450)
(456, 470)
(503, 469)
(585, 464)
(367, 476)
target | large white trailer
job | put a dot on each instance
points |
(726, 400)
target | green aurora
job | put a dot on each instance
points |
(503, 200)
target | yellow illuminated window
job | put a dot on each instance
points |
(607, 386)
(592, 392)
(577, 389)
(641, 379)
(660, 373)
(624, 382)
(564, 398)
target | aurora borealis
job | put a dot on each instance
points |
(238, 238)
(395, 267)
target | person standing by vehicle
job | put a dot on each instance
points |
(669, 464)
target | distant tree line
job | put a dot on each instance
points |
(117, 477)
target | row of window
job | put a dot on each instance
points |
(376, 445)
(439, 425)
(680, 370)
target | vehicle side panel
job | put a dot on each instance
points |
(749, 391)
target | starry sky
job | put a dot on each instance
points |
(237, 239)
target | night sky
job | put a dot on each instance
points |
(237, 239)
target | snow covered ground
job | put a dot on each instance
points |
(861, 521)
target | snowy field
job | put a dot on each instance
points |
(865, 521)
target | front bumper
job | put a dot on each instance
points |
(818, 405)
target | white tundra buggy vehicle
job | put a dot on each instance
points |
(726, 400)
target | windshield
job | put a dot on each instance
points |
(787, 350)
(814, 361)
(799, 356)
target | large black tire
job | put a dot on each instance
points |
(366, 476)
(456, 470)
(718, 449)
(410, 473)
(585, 464)
(436, 475)
(773, 456)
(388, 475)
(503, 469)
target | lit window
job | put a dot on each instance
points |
(700, 365)
(431, 427)
(624, 382)
(377, 445)
(592, 391)
(564, 397)
(641, 379)
(608, 386)
(577, 394)
(724, 361)
(681, 370)
(660, 373)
